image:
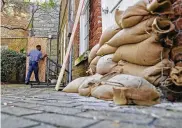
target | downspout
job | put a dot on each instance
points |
(58, 37)
(69, 35)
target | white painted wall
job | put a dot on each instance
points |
(108, 18)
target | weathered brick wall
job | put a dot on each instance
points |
(94, 35)
(79, 70)
(95, 22)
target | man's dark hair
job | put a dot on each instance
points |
(38, 46)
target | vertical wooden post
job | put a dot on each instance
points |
(70, 44)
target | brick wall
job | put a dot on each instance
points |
(95, 22)
(94, 35)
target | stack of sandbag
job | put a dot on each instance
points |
(136, 40)
(122, 89)
(131, 57)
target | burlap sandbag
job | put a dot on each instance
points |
(161, 25)
(135, 34)
(118, 16)
(129, 81)
(131, 69)
(123, 96)
(85, 88)
(93, 52)
(108, 34)
(95, 60)
(92, 66)
(160, 7)
(104, 92)
(175, 51)
(105, 64)
(91, 69)
(154, 74)
(158, 73)
(147, 53)
(176, 75)
(73, 86)
(106, 49)
(132, 15)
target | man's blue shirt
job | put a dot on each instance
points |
(35, 55)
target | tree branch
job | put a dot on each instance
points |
(13, 28)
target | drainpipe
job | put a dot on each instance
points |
(69, 35)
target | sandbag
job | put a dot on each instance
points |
(153, 74)
(105, 64)
(135, 34)
(175, 51)
(132, 15)
(123, 96)
(161, 25)
(93, 52)
(158, 73)
(91, 69)
(106, 49)
(73, 86)
(92, 66)
(160, 7)
(104, 92)
(118, 16)
(129, 81)
(85, 88)
(95, 60)
(131, 69)
(176, 75)
(108, 34)
(147, 53)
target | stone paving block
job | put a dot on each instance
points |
(161, 112)
(62, 120)
(124, 117)
(168, 123)
(15, 122)
(173, 106)
(115, 124)
(61, 110)
(57, 103)
(26, 105)
(44, 126)
(18, 111)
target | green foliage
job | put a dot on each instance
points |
(12, 62)
(46, 4)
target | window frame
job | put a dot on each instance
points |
(84, 28)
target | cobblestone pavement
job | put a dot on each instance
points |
(24, 107)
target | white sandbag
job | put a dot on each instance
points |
(84, 88)
(73, 86)
(123, 80)
(105, 64)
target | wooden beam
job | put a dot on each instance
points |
(70, 44)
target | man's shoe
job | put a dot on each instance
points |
(27, 83)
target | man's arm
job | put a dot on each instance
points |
(42, 57)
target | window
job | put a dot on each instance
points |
(84, 28)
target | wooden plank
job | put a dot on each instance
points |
(70, 44)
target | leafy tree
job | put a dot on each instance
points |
(24, 9)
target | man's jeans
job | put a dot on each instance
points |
(33, 66)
